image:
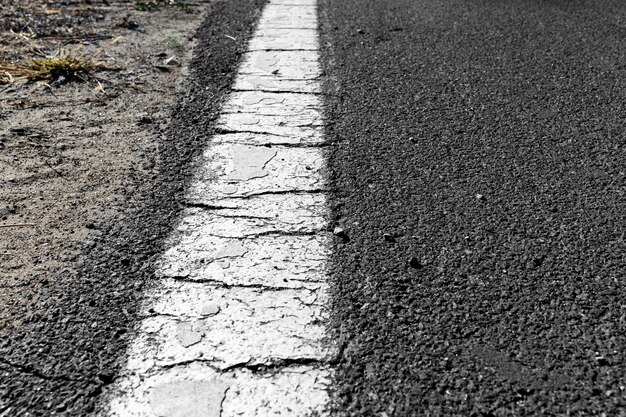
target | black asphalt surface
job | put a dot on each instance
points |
(478, 168)
(477, 163)
(73, 345)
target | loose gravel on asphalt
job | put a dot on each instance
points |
(479, 173)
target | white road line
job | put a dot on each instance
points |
(236, 326)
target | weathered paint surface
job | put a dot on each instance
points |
(236, 326)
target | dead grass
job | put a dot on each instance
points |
(63, 66)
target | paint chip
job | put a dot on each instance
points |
(188, 398)
(265, 61)
(249, 162)
(229, 189)
(187, 335)
(210, 310)
(233, 249)
(248, 120)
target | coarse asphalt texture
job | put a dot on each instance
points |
(478, 170)
(477, 164)
(73, 345)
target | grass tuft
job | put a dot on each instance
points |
(69, 67)
(65, 66)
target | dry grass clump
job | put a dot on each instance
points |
(64, 66)
(5, 78)
(151, 5)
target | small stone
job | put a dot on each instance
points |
(602, 361)
(106, 376)
(132, 25)
(388, 237)
(146, 120)
(340, 232)
(480, 197)
(172, 61)
(415, 263)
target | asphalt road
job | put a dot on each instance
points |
(478, 169)
(477, 163)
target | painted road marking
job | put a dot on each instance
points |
(236, 326)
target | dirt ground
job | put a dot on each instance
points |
(71, 151)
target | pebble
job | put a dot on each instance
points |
(415, 263)
(146, 120)
(340, 232)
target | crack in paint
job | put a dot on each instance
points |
(285, 49)
(249, 196)
(278, 363)
(277, 192)
(271, 233)
(221, 284)
(261, 90)
(221, 130)
(268, 364)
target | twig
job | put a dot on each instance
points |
(69, 38)
(18, 225)
(35, 104)
(54, 170)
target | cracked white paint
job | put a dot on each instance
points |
(274, 39)
(236, 324)
(281, 170)
(274, 104)
(277, 83)
(255, 326)
(247, 138)
(197, 389)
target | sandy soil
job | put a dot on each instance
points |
(72, 152)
